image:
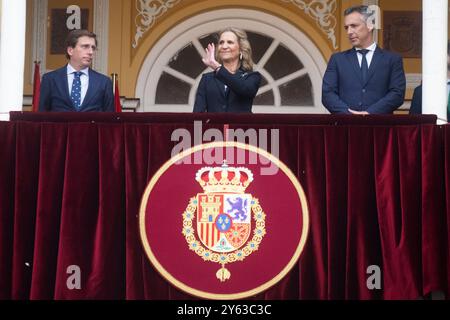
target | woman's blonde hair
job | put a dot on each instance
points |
(244, 46)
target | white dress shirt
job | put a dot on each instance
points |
(84, 78)
(369, 55)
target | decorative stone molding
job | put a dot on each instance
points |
(322, 11)
(148, 12)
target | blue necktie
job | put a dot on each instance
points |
(364, 65)
(75, 94)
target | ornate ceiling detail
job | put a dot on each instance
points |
(148, 12)
(322, 11)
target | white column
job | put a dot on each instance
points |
(101, 29)
(434, 58)
(12, 56)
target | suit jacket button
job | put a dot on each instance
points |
(360, 104)
(224, 107)
(363, 90)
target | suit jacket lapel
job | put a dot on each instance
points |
(353, 60)
(63, 85)
(92, 88)
(377, 56)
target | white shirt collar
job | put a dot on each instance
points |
(372, 47)
(71, 70)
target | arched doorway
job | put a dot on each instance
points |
(291, 65)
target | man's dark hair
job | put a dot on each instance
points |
(363, 10)
(74, 35)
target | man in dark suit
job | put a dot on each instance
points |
(76, 87)
(365, 79)
(416, 103)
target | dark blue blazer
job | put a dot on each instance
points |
(238, 97)
(416, 103)
(382, 92)
(54, 95)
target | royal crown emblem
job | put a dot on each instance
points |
(218, 222)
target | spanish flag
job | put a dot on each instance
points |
(117, 106)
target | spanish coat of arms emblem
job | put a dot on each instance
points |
(224, 224)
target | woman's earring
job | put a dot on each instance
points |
(240, 56)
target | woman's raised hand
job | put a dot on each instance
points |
(209, 59)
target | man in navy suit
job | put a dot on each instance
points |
(76, 87)
(365, 79)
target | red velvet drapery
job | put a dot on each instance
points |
(70, 191)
